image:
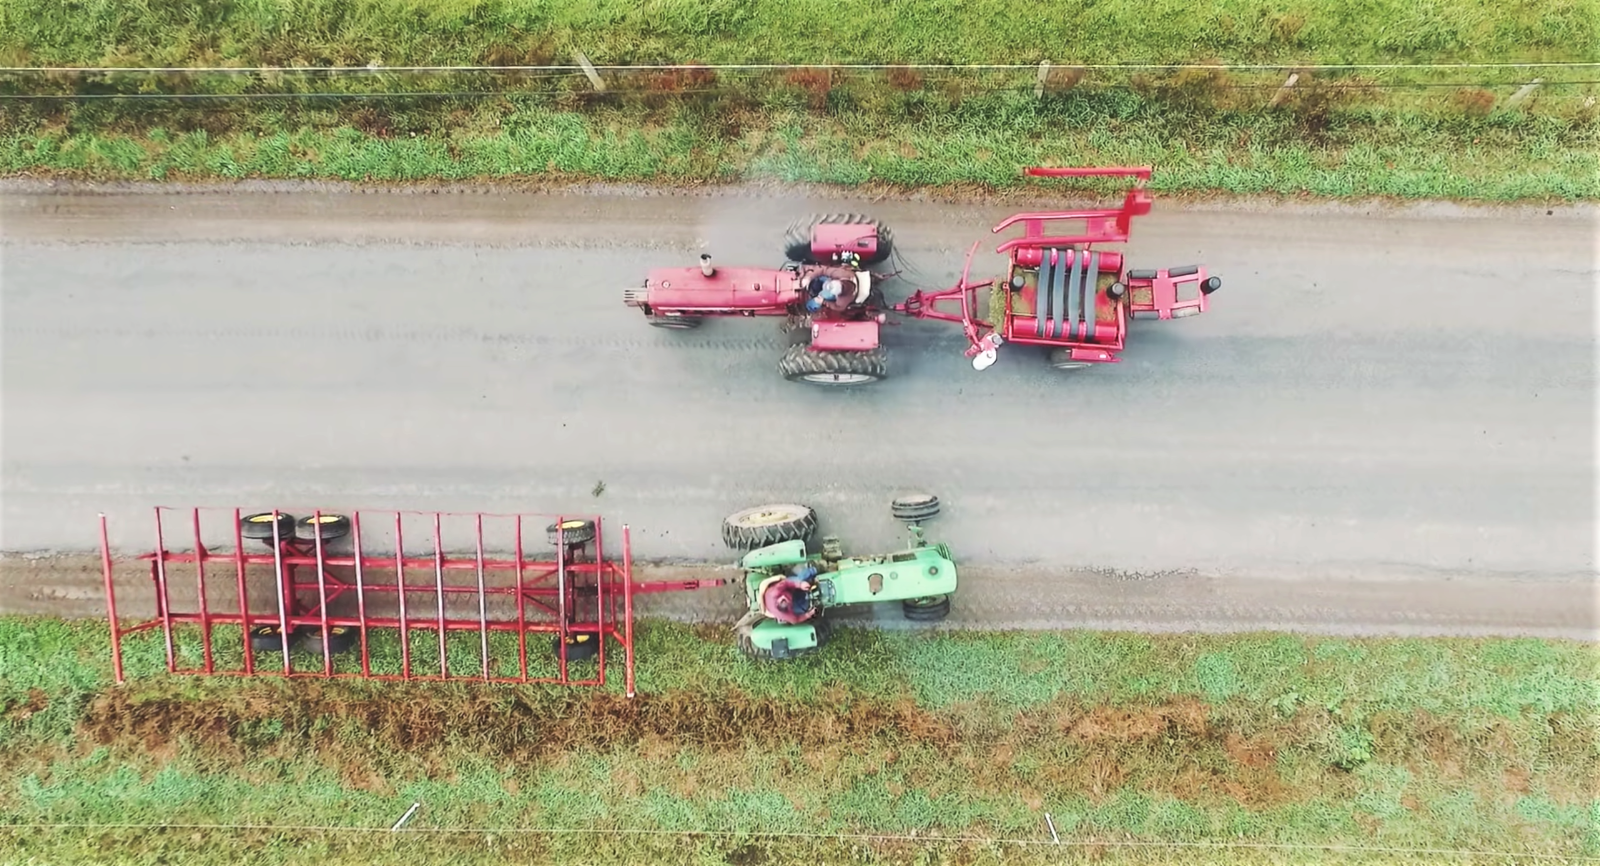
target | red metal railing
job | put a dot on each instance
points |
(574, 592)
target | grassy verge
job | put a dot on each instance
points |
(983, 142)
(1208, 741)
(401, 32)
(1408, 133)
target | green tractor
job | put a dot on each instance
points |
(791, 591)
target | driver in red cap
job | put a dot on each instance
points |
(789, 598)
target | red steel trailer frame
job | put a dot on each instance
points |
(1067, 310)
(570, 593)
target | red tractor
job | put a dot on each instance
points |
(1061, 293)
(827, 283)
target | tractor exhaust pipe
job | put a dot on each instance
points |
(705, 265)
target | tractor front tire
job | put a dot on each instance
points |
(802, 364)
(931, 609)
(915, 507)
(258, 527)
(573, 532)
(768, 524)
(797, 239)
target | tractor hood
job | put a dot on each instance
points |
(775, 555)
(725, 289)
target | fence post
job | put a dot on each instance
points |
(589, 70)
(1523, 93)
(1044, 75)
(1282, 94)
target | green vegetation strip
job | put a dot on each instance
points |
(405, 32)
(986, 142)
(1409, 133)
(1475, 745)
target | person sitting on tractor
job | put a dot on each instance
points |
(831, 287)
(788, 599)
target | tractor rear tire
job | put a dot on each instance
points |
(768, 524)
(930, 609)
(915, 507)
(258, 527)
(802, 364)
(576, 532)
(797, 238)
(332, 527)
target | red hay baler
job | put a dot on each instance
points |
(1061, 293)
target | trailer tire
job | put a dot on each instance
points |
(675, 323)
(580, 647)
(914, 507)
(930, 609)
(768, 524)
(1061, 359)
(332, 527)
(576, 532)
(836, 369)
(797, 238)
(258, 527)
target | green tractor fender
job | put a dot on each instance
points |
(772, 556)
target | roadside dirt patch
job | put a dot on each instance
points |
(427, 725)
(35, 702)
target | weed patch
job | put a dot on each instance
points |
(1178, 739)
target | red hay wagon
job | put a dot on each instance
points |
(318, 587)
(1062, 294)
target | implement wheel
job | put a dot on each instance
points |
(258, 527)
(331, 527)
(1061, 359)
(797, 238)
(768, 524)
(341, 638)
(931, 609)
(267, 638)
(574, 532)
(915, 507)
(801, 364)
(580, 647)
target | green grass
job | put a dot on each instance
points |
(984, 142)
(402, 32)
(1209, 740)
(1401, 133)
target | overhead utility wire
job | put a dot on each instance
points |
(376, 68)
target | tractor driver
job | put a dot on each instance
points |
(789, 598)
(835, 287)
